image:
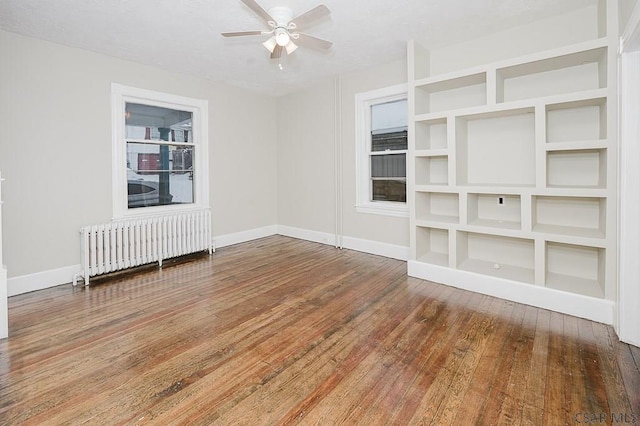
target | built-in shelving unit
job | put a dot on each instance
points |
(512, 189)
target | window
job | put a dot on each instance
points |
(160, 152)
(381, 145)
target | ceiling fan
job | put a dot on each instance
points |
(283, 28)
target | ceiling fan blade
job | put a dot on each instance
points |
(316, 13)
(258, 10)
(311, 41)
(277, 52)
(241, 33)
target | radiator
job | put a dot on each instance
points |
(123, 244)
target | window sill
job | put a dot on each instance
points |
(384, 208)
(152, 211)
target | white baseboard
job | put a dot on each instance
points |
(307, 235)
(244, 236)
(366, 246)
(4, 309)
(599, 310)
(375, 247)
(41, 280)
(594, 309)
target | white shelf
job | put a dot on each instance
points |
(455, 93)
(538, 133)
(431, 134)
(578, 168)
(437, 207)
(578, 216)
(567, 73)
(499, 256)
(494, 211)
(574, 268)
(432, 245)
(575, 121)
(432, 170)
(431, 153)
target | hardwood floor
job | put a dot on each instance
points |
(283, 331)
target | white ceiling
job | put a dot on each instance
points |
(184, 35)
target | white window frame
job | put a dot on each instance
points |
(120, 95)
(364, 101)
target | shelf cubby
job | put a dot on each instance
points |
(575, 268)
(571, 73)
(437, 206)
(499, 256)
(494, 210)
(496, 148)
(431, 134)
(577, 168)
(584, 120)
(574, 216)
(455, 93)
(432, 245)
(432, 170)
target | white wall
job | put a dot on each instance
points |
(55, 148)
(306, 160)
(626, 8)
(306, 169)
(569, 28)
(372, 227)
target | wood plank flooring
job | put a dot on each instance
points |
(283, 331)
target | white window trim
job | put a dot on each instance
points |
(363, 102)
(120, 95)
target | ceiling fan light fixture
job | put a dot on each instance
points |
(270, 44)
(291, 47)
(282, 37)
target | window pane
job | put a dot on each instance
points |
(389, 190)
(390, 165)
(159, 174)
(156, 123)
(389, 115)
(383, 140)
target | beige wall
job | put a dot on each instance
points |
(561, 30)
(306, 167)
(374, 227)
(55, 148)
(306, 158)
(626, 9)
